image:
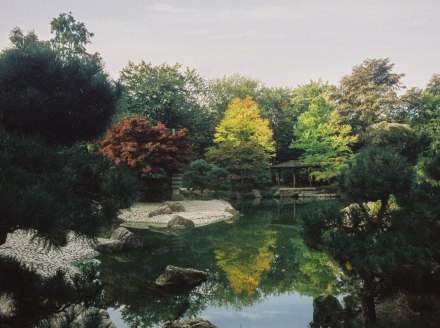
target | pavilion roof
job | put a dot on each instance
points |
(290, 164)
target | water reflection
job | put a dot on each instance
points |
(253, 263)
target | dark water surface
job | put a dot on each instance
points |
(260, 273)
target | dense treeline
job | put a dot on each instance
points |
(320, 124)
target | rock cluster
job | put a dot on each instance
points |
(168, 208)
(176, 277)
(201, 212)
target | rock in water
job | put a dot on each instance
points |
(120, 240)
(179, 222)
(232, 211)
(327, 311)
(193, 323)
(107, 246)
(180, 277)
(130, 240)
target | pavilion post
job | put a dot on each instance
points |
(294, 177)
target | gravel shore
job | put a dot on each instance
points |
(201, 212)
(46, 261)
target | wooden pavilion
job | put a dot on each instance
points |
(294, 166)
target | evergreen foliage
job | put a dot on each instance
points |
(36, 299)
(366, 237)
(52, 190)
(203, 175)
(60, 100)
(396, 135)
(47, 102)
(247, 163)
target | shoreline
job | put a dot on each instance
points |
(45, 260)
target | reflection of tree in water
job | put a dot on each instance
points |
(246, 261)
(244, 256)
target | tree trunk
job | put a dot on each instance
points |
(368, 306)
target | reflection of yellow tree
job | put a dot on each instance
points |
(245, 258)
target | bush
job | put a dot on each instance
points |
(267, 193)
(202, 175)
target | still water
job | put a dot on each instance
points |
(260, 273)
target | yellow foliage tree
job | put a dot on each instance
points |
(242, 123)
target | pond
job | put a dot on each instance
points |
(260, 273)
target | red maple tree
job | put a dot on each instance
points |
(147, 148)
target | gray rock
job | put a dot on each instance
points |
(180, 277)
(177, 222)
(130, 240)
(120, 240)
(108, 246)
(193, 323)
(232, 211)
(165, 209)
(256, 193)
(7, 306)
(327, 311)
(176, 207)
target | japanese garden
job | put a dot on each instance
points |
(162, 198)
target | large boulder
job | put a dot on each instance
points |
(179, 222)
(180, 277)
(193, 323)
(327, 311)
(164, 209)
(130, 240)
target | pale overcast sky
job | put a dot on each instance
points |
(282, 43)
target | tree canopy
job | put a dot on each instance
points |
(243, 123)
(146, 148)
(170, 95)
(71, 37)
(368, 95)
(324, 143)
(60, 100)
